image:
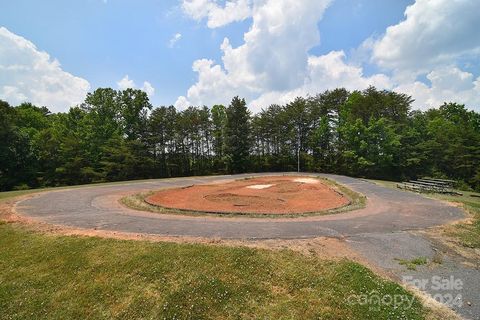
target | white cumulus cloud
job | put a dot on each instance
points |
(217, 16)
(126, 83)
(447, 84)
(433, 33)
(432, 40)
(148, 88)
(273, 57)
(182, 103)
(325, 72)
(273, 64)
(28, 74)
(176, 37)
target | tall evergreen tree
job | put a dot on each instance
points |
(237, 136)
(219, 122)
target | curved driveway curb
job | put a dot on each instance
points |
(96, 207)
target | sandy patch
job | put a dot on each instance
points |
(306, 180)
(260, 186)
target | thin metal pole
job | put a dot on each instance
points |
(298, 150)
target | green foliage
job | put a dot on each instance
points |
(219, 123)
(17, 154)
(117, 135)
(412, 264)
(369, 150)
(237, 136)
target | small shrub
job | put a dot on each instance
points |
(22, 186)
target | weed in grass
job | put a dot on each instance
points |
(437, 258)
(413, 263)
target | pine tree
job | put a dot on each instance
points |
(237, 136)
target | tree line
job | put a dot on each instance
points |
(118, 135)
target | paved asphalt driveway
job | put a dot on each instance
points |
(97, 207)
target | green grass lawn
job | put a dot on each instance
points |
(50, 276)
(468, 235)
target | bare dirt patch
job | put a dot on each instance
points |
(277, 195)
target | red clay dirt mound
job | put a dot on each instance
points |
(265, 195)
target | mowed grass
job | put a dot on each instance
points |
(467, 234)
(61, 277)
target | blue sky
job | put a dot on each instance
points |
(100, 42)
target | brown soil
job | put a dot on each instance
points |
(274, 195)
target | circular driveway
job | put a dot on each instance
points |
(97, 207)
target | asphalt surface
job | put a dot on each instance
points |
(452, 280)
(383, 232)
(96, 207)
